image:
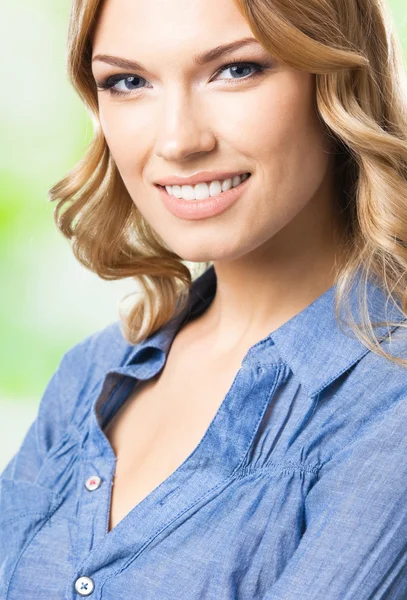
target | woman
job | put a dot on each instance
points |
(241, 433)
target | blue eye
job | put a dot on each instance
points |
(128, 81)
(131, 83)
(238, 66)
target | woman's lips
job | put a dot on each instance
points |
(192, 210)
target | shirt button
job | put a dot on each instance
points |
(84, 586)
(93, 483)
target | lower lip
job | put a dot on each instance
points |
(193, 210)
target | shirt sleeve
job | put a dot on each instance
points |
(355, 543)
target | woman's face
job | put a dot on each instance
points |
(177, 117)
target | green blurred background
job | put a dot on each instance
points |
(48, 301)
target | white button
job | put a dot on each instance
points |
(93, 483)
(84, 586)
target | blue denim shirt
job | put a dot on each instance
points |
(297, 490)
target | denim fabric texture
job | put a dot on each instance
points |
(296, 491)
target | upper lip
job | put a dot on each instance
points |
(203, 176)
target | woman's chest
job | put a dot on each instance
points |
(155, 431)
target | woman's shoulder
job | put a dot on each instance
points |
(66, 397)
(104, 345)
(363, 403)
(98, 352)
(385, 374)
(81, 369)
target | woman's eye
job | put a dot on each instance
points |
(125, 85)
(237, 68)
(120, 85)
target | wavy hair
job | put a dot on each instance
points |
(361, 98)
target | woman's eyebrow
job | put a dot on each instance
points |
(199, 59)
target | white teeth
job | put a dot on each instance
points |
(201, 191)
(215, 188)
(227, 185)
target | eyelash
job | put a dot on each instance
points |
(109, 83)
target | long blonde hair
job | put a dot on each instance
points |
(361, 97)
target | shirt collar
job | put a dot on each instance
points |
(311, 343)
(200, 296)
(317, 349)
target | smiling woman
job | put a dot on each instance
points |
(240, 433)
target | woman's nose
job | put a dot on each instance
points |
(182, 129)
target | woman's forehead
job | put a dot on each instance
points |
(152, 24)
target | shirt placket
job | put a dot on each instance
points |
(209, 467)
